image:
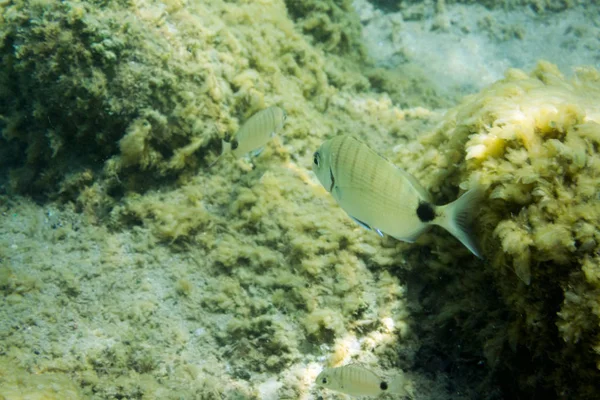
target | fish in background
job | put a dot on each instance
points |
(255, 133)
(382, 197)
(356, 380)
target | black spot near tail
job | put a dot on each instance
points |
(425, 212)
(383, 385)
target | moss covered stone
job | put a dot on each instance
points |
(533, 140)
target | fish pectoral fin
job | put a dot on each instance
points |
(358, 221)
(366, 226)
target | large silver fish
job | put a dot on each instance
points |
(380, 196)
(255, 132)
(356, 380)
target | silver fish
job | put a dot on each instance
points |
(255, 132)
(380, 196)
(356, 380)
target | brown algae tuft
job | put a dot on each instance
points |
(533, 139)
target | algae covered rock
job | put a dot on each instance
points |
(210, 283)
(119, 106)
(19, 384)
(533, 140)
(134, 93)
(332, 23)
(539, 6)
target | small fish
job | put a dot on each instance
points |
(356, 380)
(382, 197)
(255, 133)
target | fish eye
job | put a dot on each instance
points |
(324, 381)
(234, 144)
(316, 158)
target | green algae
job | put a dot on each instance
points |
(141, 85)
(539, 6)
(218, 313)
(333, 25)
(209, 282)
(532, 139)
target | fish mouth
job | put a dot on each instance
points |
(332, 179)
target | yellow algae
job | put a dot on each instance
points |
(153, 117)
(533, 139)
(333, 25)
(324, 324)
(211, 283)
(17, 384)
(171, 219)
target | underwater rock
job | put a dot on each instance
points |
(539, 6)
(106, 101)
(19, 384)
(533, 139)
(136, 93)
(332, 23)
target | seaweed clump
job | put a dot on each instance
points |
(539, 6)
(99, 99)
(147, 89)
(533, 139)
(333, 24)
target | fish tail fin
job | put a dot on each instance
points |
(226, 147)
(400, 385)
(456, 218)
